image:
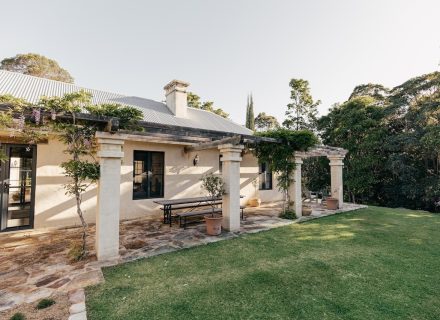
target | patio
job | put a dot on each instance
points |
(35, 264)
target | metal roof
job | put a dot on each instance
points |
(33, 88)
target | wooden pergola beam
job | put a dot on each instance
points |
(234, 140)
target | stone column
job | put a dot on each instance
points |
(295, 192)
(231, 158)
(107, 216)
(336, 166)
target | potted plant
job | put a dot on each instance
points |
(306, 210)
(256, 201)
(215, 188)
(332, 203)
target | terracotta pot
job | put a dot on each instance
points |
(332, 203)
(254, 202)
(213, 224)
(306, 211)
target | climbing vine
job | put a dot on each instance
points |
(280, 156)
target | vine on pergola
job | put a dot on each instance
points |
(280, 156)
(34, 123)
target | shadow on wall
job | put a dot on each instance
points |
(182, 181)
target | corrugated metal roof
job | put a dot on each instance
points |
(33, 88)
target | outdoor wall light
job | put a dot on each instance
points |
(196, 160)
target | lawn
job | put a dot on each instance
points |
(375, 263)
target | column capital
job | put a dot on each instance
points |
(298, 160)
(110, 147)
(231, 152)
(336, 160)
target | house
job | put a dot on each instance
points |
(179, 145)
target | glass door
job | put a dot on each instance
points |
(17, 184)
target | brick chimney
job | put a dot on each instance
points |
(175, 93)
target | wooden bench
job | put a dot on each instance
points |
(184, 216)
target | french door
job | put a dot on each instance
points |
(17, 187)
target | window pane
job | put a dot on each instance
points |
(148, 175)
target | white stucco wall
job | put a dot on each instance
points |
(182, 179)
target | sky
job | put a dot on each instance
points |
(227, 49)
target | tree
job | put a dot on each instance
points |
(36, 65)
(265, 122)
(193, 101)
(302, 111)
(250, 120)
(393, 139)
(357, 126)
(376, 91)
(214, 187)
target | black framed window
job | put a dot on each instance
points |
(148, 174)
(265, 178)
(220, 164)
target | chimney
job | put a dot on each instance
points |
(175, 93)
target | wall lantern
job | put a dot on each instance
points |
(196, 160)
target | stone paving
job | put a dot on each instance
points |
(35, 264)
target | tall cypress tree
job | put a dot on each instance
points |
(247, 112)
(250, 118)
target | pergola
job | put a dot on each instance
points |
(336, 157)
(230, 147)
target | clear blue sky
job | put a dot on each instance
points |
(226, 49)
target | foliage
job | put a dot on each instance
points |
(316, 174)
(76, 251)
(45, 303)
(128, 116)
(214, 187)
(288, 214)
(280, 156)
(376, 91)
(36, 65)
(250, 120)
(11, 100)
(18, 316)
(357, 127)
(302, 111)
(265, 122)
(393, 138)
(194, 102)
(374, 263)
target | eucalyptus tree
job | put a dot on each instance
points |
(194, 101)
(36, 65)
(265, 122)
(302, 111)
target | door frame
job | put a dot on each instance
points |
(3, 175)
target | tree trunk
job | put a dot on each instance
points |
(80, 213)
(83, 223)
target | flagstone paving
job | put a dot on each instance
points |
(35, 264)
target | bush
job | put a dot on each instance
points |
(76, 252)
(18, 316)
(289, 214)
(45, 303)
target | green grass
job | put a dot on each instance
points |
(376, 263)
